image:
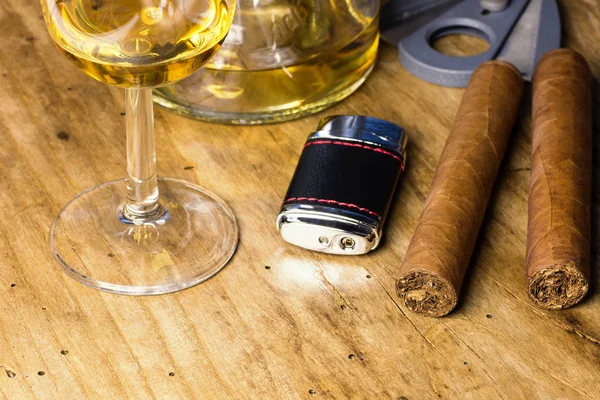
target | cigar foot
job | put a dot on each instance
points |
(426, 293)
(557, 287)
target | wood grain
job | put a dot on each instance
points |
(311, 325)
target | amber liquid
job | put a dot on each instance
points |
(138, 43)
(298, 60)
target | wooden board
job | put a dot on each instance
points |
(311, 325)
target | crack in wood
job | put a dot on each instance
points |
(495, 384)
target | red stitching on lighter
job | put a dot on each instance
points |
(362, 146)
(332, 202)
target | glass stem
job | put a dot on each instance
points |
(142, 203)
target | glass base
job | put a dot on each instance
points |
(192, 241)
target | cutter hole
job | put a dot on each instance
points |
(485, 11)
(460, 41)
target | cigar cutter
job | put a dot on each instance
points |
(343, 185)
(517, 31)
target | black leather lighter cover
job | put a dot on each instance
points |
(344, 174)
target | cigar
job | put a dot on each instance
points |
(438, 254)
(558, 234)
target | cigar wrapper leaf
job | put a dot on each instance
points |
(558, 234)
(431, 275)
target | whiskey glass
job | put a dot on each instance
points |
(141, 235)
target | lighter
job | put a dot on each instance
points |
(341, 191)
